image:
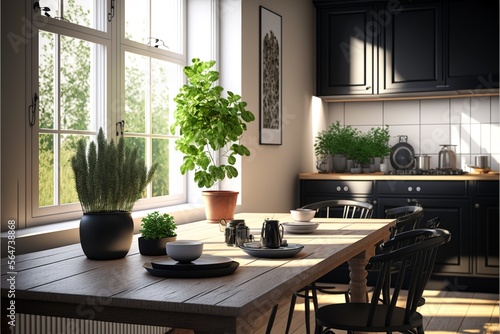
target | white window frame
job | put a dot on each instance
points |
(58, 212)
(115, 49)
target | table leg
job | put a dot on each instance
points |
(357, 267)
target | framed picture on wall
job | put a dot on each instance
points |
(270, 49)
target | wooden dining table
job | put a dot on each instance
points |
(63, 282)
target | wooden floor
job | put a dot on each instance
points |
(445, 312)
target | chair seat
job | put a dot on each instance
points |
(350, 317)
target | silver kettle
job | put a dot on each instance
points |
(447, 157)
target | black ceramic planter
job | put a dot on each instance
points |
(106, 236)
(155, 247)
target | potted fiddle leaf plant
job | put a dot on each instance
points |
(109, 179)
(157, 229)
(210, 126)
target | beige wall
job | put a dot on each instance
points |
(269, 175)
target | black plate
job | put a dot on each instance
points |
(191, 273)
(204, 262)
(254, 249)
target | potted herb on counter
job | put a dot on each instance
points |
(156, 231)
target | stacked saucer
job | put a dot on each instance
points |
(205, 266)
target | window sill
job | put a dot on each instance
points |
(62, 234)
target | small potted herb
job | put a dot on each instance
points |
(156, 231)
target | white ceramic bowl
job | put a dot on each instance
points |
(303, 215)
(184, 250)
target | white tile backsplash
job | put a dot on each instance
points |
(460, 110)
(401, 112)
(433, 136)
(435, 112)
(472, 124)
(485, 138)
(495, 110)
(480, 110)
(475, 138)
(363, 113)
(464, 138)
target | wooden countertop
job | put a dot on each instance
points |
(492, 176)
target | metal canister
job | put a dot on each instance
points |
(230, 233)
(242, 234)
(423, 162)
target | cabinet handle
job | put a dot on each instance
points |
(477, 206)
(374, 202)
(368, 87)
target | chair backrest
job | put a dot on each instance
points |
(341, 209)
(431, 223)
(413, 253)
(407, 218)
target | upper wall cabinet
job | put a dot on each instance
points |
(411, 49)
(472, 41)
(381, 47)
(346, 50)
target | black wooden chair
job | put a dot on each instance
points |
(327, 209)
(407, 218)
(415, 251)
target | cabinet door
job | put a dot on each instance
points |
(412, 49)
(312, 191)
(473, 35)
(346, 43)
(487, 213)
(454, 257)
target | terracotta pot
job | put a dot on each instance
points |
(155, 247)
(219, 204)
(106, 236)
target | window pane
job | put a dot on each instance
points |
(46, 75)
(67, 181)
(75, 83)
(136, 92)
(87, 13)
(165, 23)
(137, 21)
(46, 193)
(165, 79)
(140, 144)
(161, 156)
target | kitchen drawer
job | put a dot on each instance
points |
(487, 188)
(423, 188)
(330, 188)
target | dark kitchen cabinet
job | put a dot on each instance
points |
(486, 213)
(312, 191)
(469, 209)
(412, 49)
(346, 47)
(473, 34)
(448, 200)
(381, 47)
